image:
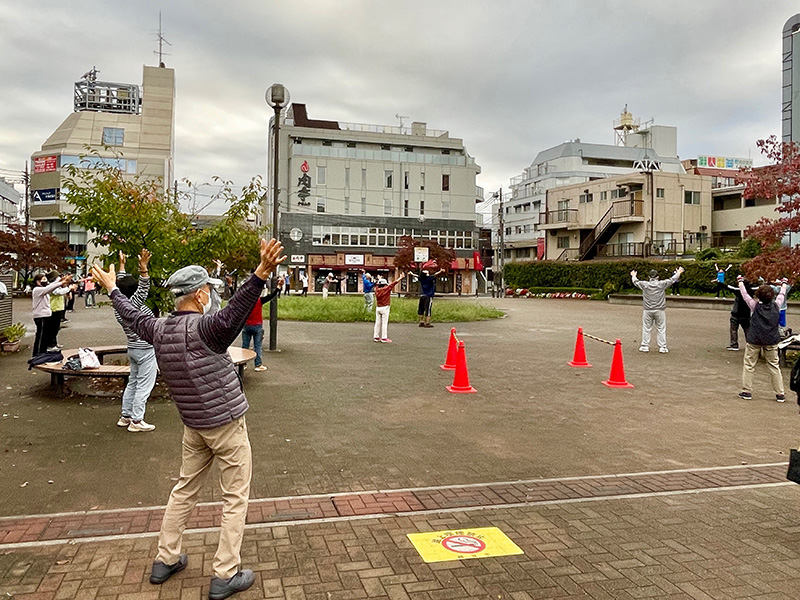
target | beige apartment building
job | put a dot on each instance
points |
(135, 123)
(640, 214)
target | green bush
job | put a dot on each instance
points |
(708, 254)
(612, 276)
(749, 248)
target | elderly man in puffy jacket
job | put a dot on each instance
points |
(191, 349)
(654, 306)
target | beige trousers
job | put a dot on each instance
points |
(751, 354)
(230, 445)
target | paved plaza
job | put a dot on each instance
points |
(672, 489)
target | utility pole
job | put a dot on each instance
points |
(502, 234)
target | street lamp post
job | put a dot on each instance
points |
(277, 97)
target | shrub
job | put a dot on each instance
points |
(749, 248)
(708, 254)
(613, 276)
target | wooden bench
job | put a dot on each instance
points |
(790, 343)
(239, 356)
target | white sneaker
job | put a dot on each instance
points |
(124, 422)
(644, 349)
(140, 426)
(663, 350)
(260, 368)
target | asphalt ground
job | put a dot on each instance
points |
(337, 412)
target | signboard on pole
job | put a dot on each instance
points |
(421, 254)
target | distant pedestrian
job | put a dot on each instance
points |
(369, 290)
(721, 280)
(304, 283)
(740, 316)
(763, 337)
(340, 283)
(88, 293)
(254, 327)
(280, 286)
(141, 354)
(287, 283)
(654, 306)
(383, 296)
(41, 310)
(427, 290)
(329, 279)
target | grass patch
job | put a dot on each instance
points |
(350, 309)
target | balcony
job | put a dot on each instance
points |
(558, 219)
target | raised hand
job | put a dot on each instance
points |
(122, 260)
(144, 261)
(107, 279)
(271, 256)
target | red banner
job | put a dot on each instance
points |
(45, 164)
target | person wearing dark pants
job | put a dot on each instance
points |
(740, 317)
(42, 314)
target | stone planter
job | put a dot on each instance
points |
(11, 346)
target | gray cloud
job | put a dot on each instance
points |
(510, 78)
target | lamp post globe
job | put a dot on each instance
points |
(277, 96)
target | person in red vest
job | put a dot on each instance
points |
(254, 326)
(383, 297)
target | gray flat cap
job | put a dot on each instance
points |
(188, 279)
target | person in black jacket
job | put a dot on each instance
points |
(740, 316)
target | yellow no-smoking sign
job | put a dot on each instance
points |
(459, 544)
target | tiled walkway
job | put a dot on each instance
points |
(59, 528)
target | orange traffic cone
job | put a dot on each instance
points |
(617, 376)
(579, 357)
(450, 360)
(461, 376)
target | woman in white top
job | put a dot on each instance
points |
(41, 310)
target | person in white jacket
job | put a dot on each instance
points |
(654, 306)
(41, 309)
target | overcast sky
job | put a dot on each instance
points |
(511, 78)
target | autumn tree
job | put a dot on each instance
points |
(25, 249)
(404, 259)
(778, 180)
(124, 213)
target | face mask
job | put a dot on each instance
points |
(213, 304)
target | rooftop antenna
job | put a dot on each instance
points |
(161, 41)
(400, 118)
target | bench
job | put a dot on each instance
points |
(239, 356)
(790, 343)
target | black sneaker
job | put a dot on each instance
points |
(223, 588)
(422, 324)
(733, 348)
(745, 395)
(162, 571)
(780, 397)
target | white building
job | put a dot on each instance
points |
(349, 191)
(576, 162)
(10, 200)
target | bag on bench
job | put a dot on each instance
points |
(88, 358)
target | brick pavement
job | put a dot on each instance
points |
(104, 523)
(732, 543)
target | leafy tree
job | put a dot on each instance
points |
(404, 259)
(25, 249)
(125, 213)
(780, 179)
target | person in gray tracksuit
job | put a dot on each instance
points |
(654, 305)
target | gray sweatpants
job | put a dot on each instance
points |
(659, 317)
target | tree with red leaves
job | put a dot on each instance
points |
(404, 259)
(25, 249)
(781, 180)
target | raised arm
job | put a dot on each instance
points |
(141, 323)
(745, 296)
(143, 289)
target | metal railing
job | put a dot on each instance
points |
(563, 215)
(620, 250)
(568, 254)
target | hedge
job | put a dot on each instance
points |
(613, 276)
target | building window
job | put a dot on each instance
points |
(113, 136)
(347, 205)
(363, 179)
(526, 228)
(422, 207)
(422, 181)
(562, 241)
(659, 192)
(351, 144)
(405, 180)
(387, 206)
(603, 196)
(508, 230)
(321, 175)
(320, 203)
(691, 197)
(387, 179)
(584, 198)
(363, 205)
(405, 207)
(327, 143)
(347, 177)
(445, 183)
